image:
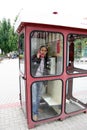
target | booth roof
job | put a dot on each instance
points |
(51, 18)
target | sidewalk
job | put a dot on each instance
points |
(11, 115)
(12, 118)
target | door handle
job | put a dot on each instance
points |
(23, 76)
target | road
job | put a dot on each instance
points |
(9, 81)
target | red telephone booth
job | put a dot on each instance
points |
(64, 81)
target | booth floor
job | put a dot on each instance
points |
(11, 115)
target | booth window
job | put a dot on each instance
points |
(53, 60)
(46, 99)
(76, 94)
(22, 72)
(76, 53)
(23, 94)
(21, 53)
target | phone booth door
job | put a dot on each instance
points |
(46, 66)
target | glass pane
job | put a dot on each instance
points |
(46, 99)
(23, 94)
(77, 53)
(46, 53)
(76, 94)
(21, 53)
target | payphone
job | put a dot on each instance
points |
(64, 85)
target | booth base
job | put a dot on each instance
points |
(48, 112)
(73, 106)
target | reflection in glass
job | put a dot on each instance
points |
(21, 53)
(46, 99)
(76, 94)
(77, 53)
(53, 62)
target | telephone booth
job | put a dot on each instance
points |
(64, 86)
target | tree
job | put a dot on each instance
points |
(8, 39)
